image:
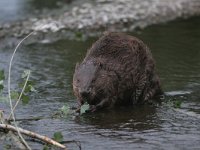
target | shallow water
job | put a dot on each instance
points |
(176, 49)
(14, 10)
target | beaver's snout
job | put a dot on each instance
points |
(85, 94)
(87, 97)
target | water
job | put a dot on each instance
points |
(14, 10)
(176, 49)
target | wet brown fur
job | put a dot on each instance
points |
(118, 70)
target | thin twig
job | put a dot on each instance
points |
(16, 140)
(9, 93)
(20, 96)
(33, 135)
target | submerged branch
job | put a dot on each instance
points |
(33, 135)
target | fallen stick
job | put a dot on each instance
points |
(33, 135)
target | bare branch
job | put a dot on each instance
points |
(33, 135)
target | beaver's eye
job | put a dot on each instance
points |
(78, 80)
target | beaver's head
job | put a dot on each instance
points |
(85, 82)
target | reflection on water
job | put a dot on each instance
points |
(122, 118)
(176, 48)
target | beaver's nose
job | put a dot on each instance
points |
(85, 94)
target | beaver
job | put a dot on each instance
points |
(117, 70)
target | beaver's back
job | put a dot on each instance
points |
(122, 53)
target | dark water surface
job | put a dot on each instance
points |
(176, 49)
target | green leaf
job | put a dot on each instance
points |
(25, 99)
(29, 82)
(177, 104)
(2, 76)
(25, 73)
(84, 108)
(14, 95)
(29, 86)
(45, 147)
(1, 82)
(27, 89)
(1, 87)
(65, 110)
(58, 136)
(32, 89)
(79, 35)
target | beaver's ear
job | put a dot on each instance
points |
(77, 65)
